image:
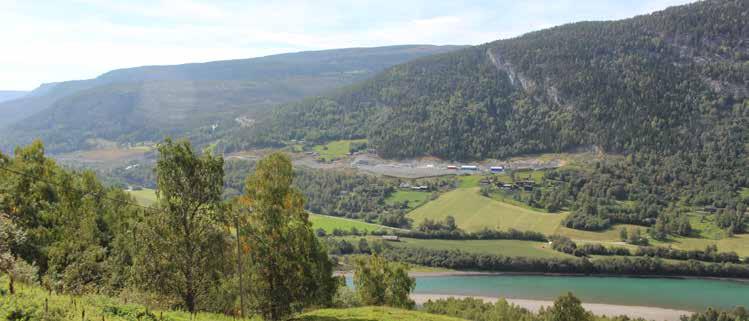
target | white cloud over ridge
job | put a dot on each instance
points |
(51, 40)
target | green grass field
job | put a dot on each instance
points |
(372, 314)
(496, 247)
(335, 150)
(145, 197)
(738, 244)
(414, 198)
(29, 302)
(468, 181)
(473, 212)
(329, 223)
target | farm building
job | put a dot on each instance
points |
(391, 238)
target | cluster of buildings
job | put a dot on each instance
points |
(414, 187)
(474, 168)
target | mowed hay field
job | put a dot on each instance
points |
(474, 212)
(495, 247)
(329, 223)
(336, 149)
(738, 243)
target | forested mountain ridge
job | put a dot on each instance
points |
(147, 103)
(664, 82)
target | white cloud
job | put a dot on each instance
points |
(55, 42)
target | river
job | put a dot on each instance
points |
(681, 294)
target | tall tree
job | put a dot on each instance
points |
(10, 235)
(568, 308)
(287, 267)
(379, 282)
(181, 240)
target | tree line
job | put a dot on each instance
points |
(710, 254)
(647, 266)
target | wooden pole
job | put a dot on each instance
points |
(239, 268)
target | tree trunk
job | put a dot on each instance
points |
(239, 270)
(11, 284)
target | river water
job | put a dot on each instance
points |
(671, 293)
(684, 294)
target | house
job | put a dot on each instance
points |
(469, 167)
(420, 188)
(391, 238)
(497, 169)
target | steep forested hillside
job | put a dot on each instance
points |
(666, 82)
(146, 103)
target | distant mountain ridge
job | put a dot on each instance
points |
(670, 81)
(6, 95)
(146, 103)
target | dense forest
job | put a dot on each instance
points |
(665, 82)
(203, 101)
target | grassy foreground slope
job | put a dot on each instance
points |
(373, 313)
(474, 212)
(29, 304)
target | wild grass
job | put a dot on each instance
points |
(373, 313)
(145, 197)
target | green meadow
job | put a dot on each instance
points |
(474, 212)
(336, 149)
(495, 247)
(329, 223)
(145, 197)
(414, 198)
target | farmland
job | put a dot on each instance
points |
(474, 212)
(496, 247)
(414, 198)
(329, 223)
(336, 149)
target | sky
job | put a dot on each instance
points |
(47, 41)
